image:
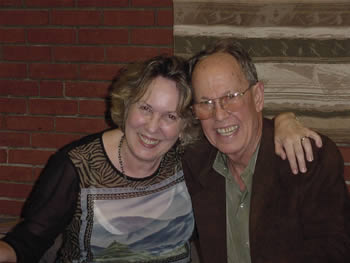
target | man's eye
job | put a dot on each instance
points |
(231, 96)
(206, 102)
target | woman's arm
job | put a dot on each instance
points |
(292, 141)
(47, 211)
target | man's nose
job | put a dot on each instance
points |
(219, 112)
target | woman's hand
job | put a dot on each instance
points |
(292, 141)
(7, 253)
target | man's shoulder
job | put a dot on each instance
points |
(328, 153)
(199, 148)
(199, 156)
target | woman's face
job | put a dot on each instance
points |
(153, 125)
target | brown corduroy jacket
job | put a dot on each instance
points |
(293, 218)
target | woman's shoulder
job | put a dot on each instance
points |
(87, 139)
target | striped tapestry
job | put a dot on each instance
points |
(301, 50)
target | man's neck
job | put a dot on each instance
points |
(238, 163)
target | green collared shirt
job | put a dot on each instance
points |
(237, 209)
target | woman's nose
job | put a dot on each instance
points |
(153, 123)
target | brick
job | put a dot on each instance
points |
(14, 139)
(152, 3)
(345, 151)
(9, 3)
(37, 172)
(75, 18)
(166, 51)
(98, 71)
(92, 107)
(53, 71)
(13, 35)
(3, 156)
(51, 88)
(87, 89)
(11, 207)
(130, 54)
(13, 70)
(24, 17)
(129, 18)
(15, 190)
(27, 53)
(53, 106)
(103, 36)
(19, 88)
(16, 173)
(10, 105)
(103, 3)
(82, 125)
(51, 3)
(32, 157)
(52, 140)
(51, 36)
(152, 36)
(79, 53)
(2, 122)
(28, 123)
(165, 18)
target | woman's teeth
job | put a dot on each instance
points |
(148, 141)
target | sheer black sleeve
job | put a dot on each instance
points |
(47, 211)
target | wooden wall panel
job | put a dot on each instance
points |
(301, 49)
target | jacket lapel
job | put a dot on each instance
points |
(210, 212)
(263, 182)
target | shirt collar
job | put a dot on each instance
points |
(221, 167)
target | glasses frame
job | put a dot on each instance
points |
(234, 96)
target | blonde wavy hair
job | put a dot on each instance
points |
(133, 82)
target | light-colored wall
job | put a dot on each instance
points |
(301, 49)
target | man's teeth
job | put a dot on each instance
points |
(227, 130)
(148, 141)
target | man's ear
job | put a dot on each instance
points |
(258, 93)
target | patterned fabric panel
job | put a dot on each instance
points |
(301, 50)
(119, 220)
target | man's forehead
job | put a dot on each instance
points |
(218, 65)
(213, 61)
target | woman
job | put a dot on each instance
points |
(119, 195)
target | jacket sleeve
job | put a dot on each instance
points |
(324, 201)
(47, 211)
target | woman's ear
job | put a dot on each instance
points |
(258, 93)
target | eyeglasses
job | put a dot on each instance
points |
(231, 102)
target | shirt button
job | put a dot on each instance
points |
(247, 244)
(241, 205)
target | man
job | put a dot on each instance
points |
(247, 204)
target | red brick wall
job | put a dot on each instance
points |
(57, 59)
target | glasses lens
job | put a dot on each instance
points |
(230, 102)
(202, 111)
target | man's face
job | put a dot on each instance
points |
(235, 133)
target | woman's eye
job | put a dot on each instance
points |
(145, 108)
(172, 117)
